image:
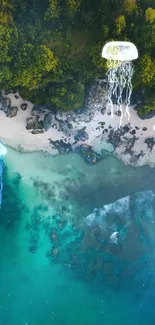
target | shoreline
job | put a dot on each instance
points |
(91, 127)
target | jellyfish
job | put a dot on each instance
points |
(119, 56)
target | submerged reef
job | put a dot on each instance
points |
(84, 150)
(88, 155)
(11, 204)
(114, 244)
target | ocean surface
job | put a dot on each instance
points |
(61, 261)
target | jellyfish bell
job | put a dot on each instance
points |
(120, 51)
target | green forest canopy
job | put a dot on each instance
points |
(51, 49)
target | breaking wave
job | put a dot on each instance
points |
(1, 179)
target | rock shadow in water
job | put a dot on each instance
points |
(12, 207)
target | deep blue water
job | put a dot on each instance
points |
(64, 263)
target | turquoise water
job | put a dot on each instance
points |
(57, 270)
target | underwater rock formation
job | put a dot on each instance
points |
(88, 155)
(81, 135)
(114, 243)
(123, 229)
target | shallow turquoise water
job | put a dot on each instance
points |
(51, 268)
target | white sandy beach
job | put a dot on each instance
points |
(13, 132)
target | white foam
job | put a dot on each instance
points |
(143, 206)
(119, 207)
(3, 150)
(114, 237)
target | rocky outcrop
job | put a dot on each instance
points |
(12, 111)
(82, 115)
(115, 136)
(61, 146)
(33, 123)
(81, 135)
(5, 106)
(48, 121)
(61, 117)
(23, 106)
(65, 127)
(39, 110)
(150, 143)
(37, 131)
(147, 115)
(88, 155)
(10, 91)
(97, 96)
(5, 103)
(129, 145)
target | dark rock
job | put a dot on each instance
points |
(80, 111)
(54, 126)
(97, 212)
(87, 117)
(147, 115)
(106, 130)
(102, 124)
(134, 158)
(110, 127)
(82, 115)
(10, 91)
(37, 131)
(103, 110)
(144, 129)
(33, 123)
(23, 106)
(126, 128)
(81, 135)
(96, 97)
(118, 113)
(37, 110)
(136, 127)
(16, 96)
(115, 135)
(64, 127)
(88, 154)
(141, 154)
(12, 111)
(109, 113)
(69, 125)
(129, 144)
(133, 132)
(5, 103)
(150, 143)
(49, 120)
(61, 146)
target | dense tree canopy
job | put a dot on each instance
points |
(150, 15)
(51, 49)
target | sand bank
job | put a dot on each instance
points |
(131, 146)
(13, 131)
